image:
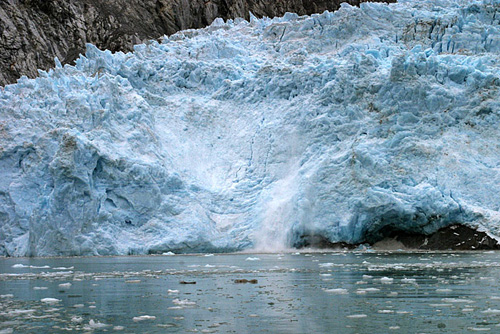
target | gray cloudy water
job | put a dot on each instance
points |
(366, 292)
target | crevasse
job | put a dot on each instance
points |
(253, 134)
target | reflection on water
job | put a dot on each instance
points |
(349, 292)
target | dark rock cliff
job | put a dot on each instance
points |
(33, 32)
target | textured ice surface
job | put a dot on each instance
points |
(251, 134)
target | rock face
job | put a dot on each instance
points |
(350, 126)
(33, 32)
(453, 237)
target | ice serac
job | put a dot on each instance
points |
(348, 126)
(33, 32)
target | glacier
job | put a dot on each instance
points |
(252, 134)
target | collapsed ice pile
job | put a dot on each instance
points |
(347, 125)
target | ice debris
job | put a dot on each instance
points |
(143, 318)
(357, 316)
(95, 325)
(76, 319)
(64, 286)
(348, 125)
(337, 291)
(183, 302)
(386, 280)
(50, 300)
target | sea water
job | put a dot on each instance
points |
(310, 292)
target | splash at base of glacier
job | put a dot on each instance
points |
(253, 134)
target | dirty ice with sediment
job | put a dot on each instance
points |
(246, 135)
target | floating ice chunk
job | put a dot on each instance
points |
(183, 302)
(64, 286)
(63, 268)
(118, 328)
(385, 311)
(40, 288)
(386, 280)
(95, 325)
(50, 300)
(18, 312)
(168, 253)
(491, 311)
(76, 319)
(338, 291)
(143, 318)
(172, 291)
(252, 259)
(457, 300)
(8, 295)
(444, 290)
(326, 265)
(479, 329)
(357, 316)
(409, 280)
(19, 265)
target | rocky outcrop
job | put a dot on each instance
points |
(455, 237)
(33, 32)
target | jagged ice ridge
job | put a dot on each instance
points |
(252, 134)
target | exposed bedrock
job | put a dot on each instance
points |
(33, 32)
(453, 237)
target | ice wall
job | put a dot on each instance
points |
(252, 134)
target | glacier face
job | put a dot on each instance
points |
(253, 134)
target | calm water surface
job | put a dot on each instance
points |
(368, 292)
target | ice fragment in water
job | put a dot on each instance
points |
(143, 318)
